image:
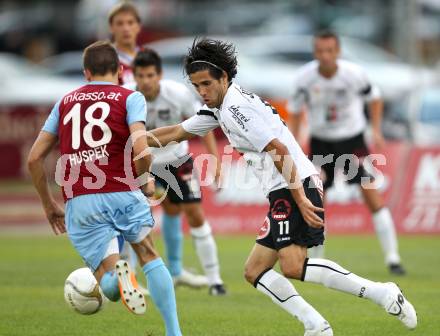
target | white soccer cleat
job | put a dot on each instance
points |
(191, 280)
(324, 329)
(396, 304)
(131, 295)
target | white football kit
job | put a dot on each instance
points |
(335, 105)
(174, 104)
(250, 124)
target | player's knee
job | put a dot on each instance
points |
(251, 274)
(291, 261)
(171, 209)
(292, 270)
(194, 214)
(145, 251)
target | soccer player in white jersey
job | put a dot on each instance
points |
(125, 25)
(295, 219)
(170, 103)
(333, 92)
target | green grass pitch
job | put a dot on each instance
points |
(33, 270)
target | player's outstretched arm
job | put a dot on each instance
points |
(294, 122)
(285, 165)
(141, 156)
(164, 135)
(39, 151)
(211, 147)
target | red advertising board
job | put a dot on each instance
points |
(418, 207)
(410, 185)
(241, 206)
(20, 126)
(345, 209)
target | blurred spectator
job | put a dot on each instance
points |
(38, 48)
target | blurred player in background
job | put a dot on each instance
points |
(93, 124)
(295, 219)
(170, 103)
(333, 92)
(125, 25)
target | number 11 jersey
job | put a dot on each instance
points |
(92, 125)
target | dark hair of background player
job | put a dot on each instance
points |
(327, 34)
(147, 57)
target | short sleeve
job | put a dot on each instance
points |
(136, 108)
(246, 121)
(53, 120)
(365, 88)
(201, 123)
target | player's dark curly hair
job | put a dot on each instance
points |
(221, 55)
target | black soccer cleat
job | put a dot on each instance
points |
(396, 269)
(217, 290)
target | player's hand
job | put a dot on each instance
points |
(149, 188)
(378, 140)
(55, 215)
(308, 211)
(216, 173)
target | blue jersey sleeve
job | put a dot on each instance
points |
(136, 108)
(52, 121)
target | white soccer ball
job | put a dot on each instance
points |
(82, 292)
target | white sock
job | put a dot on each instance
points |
(384, 225)
(206, 249)
(316, 251)
(284, 294)
(128, 254)
(331, 275)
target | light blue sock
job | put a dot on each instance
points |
(173, 237)
(161, 290)
(109, 286)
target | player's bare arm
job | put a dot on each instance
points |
(142, 157)
(294, 122)
(283, 160)
(376, 114)
(39, 151)
(211, 147)
(162, 136)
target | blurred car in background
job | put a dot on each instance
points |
(424, 116)
(268, 63)
(416, 117)
(26, 84)
(393, 76)
(67, 64)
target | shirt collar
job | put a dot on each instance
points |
(101, 83)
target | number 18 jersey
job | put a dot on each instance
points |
(92, 125)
